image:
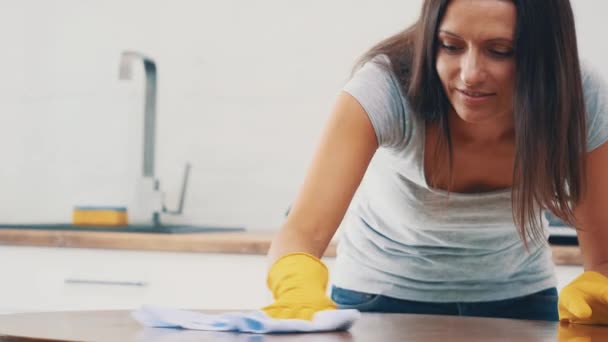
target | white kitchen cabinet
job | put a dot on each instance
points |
(50, 279)
(53, 279)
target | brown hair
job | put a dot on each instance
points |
(548, 104)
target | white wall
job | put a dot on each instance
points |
(244, 88)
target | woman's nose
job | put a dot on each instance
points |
(471, 70)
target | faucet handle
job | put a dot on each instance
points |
(182, 195)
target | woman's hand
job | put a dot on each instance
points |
(298, 282)
(585, 299)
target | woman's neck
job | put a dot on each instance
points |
(490, 132)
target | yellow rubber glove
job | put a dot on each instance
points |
(585, 300)
(298, 282)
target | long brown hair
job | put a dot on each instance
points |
(548, 104)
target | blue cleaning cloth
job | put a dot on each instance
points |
(247, 322)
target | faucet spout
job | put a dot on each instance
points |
(127, 60)
(149, 197)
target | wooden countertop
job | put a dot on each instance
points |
(235, 242)
(119, 326)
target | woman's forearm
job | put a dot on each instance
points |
(290, 239)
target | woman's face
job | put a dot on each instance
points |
(475, 58)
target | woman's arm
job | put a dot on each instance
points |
(347, 146)
(585, 300)
(592, 212)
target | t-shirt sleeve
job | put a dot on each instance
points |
(595, 92)
(376, 88)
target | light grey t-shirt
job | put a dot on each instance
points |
(402, 239)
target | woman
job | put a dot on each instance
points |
(478, 117)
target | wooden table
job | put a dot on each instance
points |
(119, 326)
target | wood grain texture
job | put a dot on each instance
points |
(119, 326)
(234, 243)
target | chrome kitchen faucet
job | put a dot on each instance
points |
(149, 189)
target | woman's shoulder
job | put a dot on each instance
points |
(381, 59)
(596, 105)
(378, 66)
(594, 87)
(379, 92)
(591, 76)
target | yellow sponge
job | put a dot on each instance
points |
(100, 216)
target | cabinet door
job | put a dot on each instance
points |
(49, 279)
(28, 277)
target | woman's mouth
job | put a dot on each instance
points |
(474, 97)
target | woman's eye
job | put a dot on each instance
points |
(450, 47)
(502, 52)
